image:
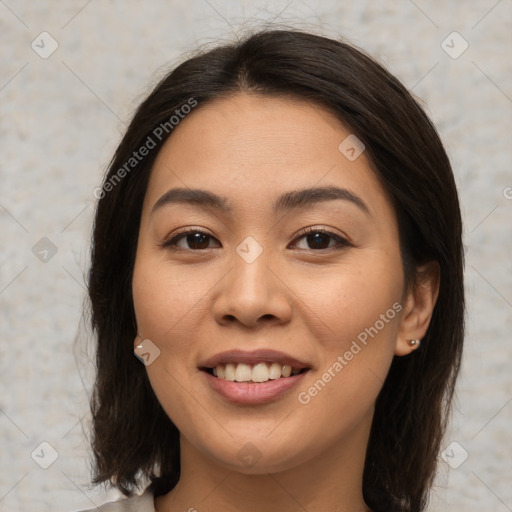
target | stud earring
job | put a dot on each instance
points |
(414, 343)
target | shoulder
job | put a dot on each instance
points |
(142, 503)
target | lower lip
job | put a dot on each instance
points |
(251, 392)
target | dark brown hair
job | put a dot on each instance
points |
(133, 438)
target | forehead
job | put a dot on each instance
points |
(253, 148)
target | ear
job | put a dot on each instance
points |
(419, 305)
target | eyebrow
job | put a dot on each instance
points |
(288, 201)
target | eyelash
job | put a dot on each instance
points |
(342, 242)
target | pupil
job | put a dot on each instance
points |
(317, 237)
(196, 240)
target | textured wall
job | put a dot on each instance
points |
(62, 115)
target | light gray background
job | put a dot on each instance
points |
(61, 120)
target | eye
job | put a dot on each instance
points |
(319, 239)
(196, 239)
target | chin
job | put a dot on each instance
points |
(259, 457)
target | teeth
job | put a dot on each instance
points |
(261, 372)
(229, 372)
(275, 371)
(243, 373)
(286, 371)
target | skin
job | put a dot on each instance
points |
(198, 300)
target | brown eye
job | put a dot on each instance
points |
(195, 239)
(319, 239)
(316, 239)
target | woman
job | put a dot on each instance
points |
(278, 241)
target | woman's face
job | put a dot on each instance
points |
(250, 285)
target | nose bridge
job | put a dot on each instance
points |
(251, 268)
(252, 290)
(251, 273)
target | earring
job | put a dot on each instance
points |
(414, 343)
(139, 335)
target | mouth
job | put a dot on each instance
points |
(260, 372)
(257, 367)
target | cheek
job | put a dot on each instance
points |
(163, 302)
(355, 361)
(352, 297)
(360, 312)
(163, 298)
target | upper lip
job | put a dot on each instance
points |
(254, 357)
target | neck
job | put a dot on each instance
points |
(329, 481)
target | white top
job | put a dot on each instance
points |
(143, 503)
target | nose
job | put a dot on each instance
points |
(252, 294)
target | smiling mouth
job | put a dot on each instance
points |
(257, 373)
